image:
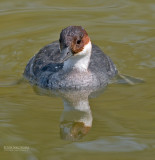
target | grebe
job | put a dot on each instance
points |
(73, 62)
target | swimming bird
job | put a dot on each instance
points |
(73, 62)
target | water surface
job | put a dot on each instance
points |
(121, 121)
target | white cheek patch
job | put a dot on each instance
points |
(81, 60)
(86, 50)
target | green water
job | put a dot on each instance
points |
(123, 125)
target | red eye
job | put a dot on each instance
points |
(78, 41)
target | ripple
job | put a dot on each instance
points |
(112, 144)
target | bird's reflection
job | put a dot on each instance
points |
(76, 118)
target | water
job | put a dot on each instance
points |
(120, 122)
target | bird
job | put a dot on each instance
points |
(72, 62)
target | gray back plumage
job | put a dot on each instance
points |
(43, 71)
